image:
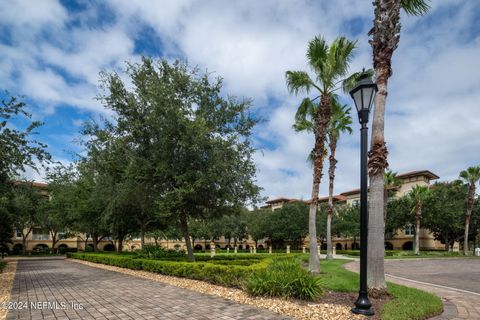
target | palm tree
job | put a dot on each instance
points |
(470, 176)
(339, 123)
(418, 196)
(385, 37)
(330, 65)
(391, 183)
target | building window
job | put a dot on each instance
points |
(18, 234)
(409, 230)
(356, 202)
(40, 234)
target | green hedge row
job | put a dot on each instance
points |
(225, 275)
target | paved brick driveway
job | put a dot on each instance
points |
(456, 281)
(105, 294)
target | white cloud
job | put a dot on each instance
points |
(432, 110)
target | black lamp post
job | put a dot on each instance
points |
(363, 95)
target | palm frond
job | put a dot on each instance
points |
(471, 175)
(340, 120)
(305, 115)
(415, 7)
(317, 53)
(351, 81)
(298, 81)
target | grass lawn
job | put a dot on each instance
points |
(407, 303)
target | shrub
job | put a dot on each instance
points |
(226, 275)
(3, 264)
(284, 278)
(157, 252)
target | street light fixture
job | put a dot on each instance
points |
(363, 95)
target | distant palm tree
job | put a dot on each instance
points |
(391, 183)
(470, 176)
(330, 64)
(385, 38)
(418, 195)
(339, 123)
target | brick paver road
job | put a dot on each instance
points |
(456, 281)
(105, 294)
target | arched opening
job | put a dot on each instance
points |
(247, 247)
(109, 247)
(240, 247)
(388, 246)
(324, 246)
(407, 245)
(338, 246)
(133, 248)
(177, 247)
(198, 247)
(41, 247)
(355, 246)
(260, 246)
(18, 248)
(228, 246)
(217, 246)
(207, 247)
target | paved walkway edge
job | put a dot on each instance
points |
(449, 308)
(6, 282)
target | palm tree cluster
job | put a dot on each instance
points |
(330, 64)
(326, 119)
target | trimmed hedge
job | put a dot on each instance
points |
(229, 275)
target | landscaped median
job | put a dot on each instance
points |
(280, 276)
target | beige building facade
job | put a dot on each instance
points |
(403, 238)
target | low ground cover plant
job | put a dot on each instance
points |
(284, 278)
(3, 264)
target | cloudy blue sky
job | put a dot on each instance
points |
(52, 51)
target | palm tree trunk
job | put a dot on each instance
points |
(417, 231)
(465, 241)
(471, 194)
(322, 119)
(376, 204)
(331, 176)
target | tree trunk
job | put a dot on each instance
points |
(465, 240)
(447, 244)
(120, 243)
(417, 235)
(24, 245)
(186, 235)
(24, 240)
(470, 197)
(385, 38)
(142, 238)
(54, 240)
(331, 176)
(322, 119)
(377, 164)
(95, 242)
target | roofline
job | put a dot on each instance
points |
(427, 173)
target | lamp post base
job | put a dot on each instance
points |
(365, 312)
(363, 305)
